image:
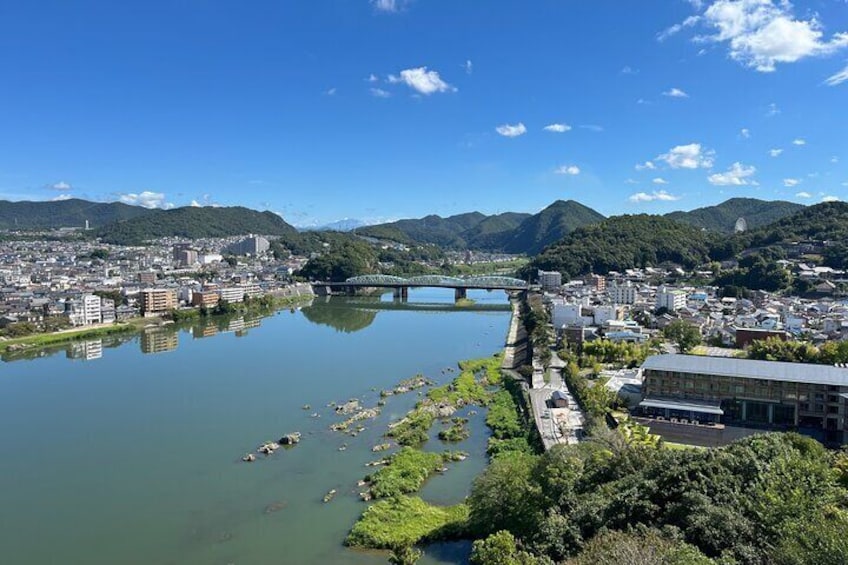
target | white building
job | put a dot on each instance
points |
(604, 314)
(252, 245)
(672, 300)
(84, 311)
(550, 280)
(623, 294)
(232, 294)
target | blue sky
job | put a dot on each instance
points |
(321, 110)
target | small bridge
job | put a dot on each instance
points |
(401, 285)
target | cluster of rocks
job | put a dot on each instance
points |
(330, 495)
(407, 385)
(366, 414)
(380, 447)
(348, 407)
(270, 447)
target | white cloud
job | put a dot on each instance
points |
(422, 81)
(508, 130)
(791, 182)
(772, 110)
(568, 170)
(631, 181)
(799, 141)
(655, 195)
(389, 6)
(691, 156)
(468, 66)
(331, 91)
(647, 165)
(372, 78)
(659, 180)
(147, 199)
(775, 152)
(803, 195)
(676, 28)
(61, 185)
(592, 127)
(760, 34)
(380, 93)
(557, 128)
(837, 78)
(737, 175)
(675, 93)
(195, 204)
(830, 199)
(628, 70)
(745, 133)
(834, 159)
(61, 197)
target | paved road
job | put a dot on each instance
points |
(555, 425)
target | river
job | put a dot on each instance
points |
(133, 456)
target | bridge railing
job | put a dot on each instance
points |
(484, 281)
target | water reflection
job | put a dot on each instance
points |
(340, 314)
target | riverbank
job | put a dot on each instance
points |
(36, 341)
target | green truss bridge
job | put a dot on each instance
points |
(402, 285)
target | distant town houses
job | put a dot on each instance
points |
(78, 283)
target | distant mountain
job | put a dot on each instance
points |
(194, 222)
(347, 224)
(722, 217)
(444, 232)
(65, 213)
(510, 232)
(550, 225)
(827, 221)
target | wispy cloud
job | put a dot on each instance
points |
(659, 180)
(592, 127)
(772, 110)
(830, 199)
(775, 152)
(389, 6)
(628, 70)
(677, 28)
(789, 183)
(422, 81)
(737, 175)
(572, 170)
(837, 78)
(745, 133)
(380, 93)
(508, 130)
(557, 128)
(61, 185)
(646, 166)
(799, 141)
(675, 93)
(331, 91)
(803, 194)
(651, 196)
(61, 197)
(372, 78)
(468, 66)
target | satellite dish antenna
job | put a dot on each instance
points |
(741, 225)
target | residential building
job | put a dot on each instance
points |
(671, 299)
(622, 294)
(550, 280)
(205, 298)
(157, 301)
(252, 245)
(84, 311)
(597, 283)
(769, 394)
(232, 294)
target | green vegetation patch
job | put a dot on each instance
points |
(503, 418)
(414, 429)
(405, 520)
(405, 473)
(457, 431)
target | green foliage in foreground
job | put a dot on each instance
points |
(501, 549)
(404, 520)
(684, 335)
(770, 498)
(465, 389)
(503, 418)
(775, 349)
(645, 548)
(406, 472)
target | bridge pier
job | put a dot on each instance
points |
(402, 293)
(350, 290)
(460, 294)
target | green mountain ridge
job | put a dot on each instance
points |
(194, 222)
(73, 212)
(722, 217)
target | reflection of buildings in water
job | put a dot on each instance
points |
(199, 332)
(88, 350)
(158, 341)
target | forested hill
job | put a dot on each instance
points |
(445, 232)
(722, 217)
(65, 213)
(548, 226)
(194, 222)
(827, 221)
(625, 242)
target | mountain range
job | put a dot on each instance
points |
(509, 232)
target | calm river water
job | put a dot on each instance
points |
(133, 456)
